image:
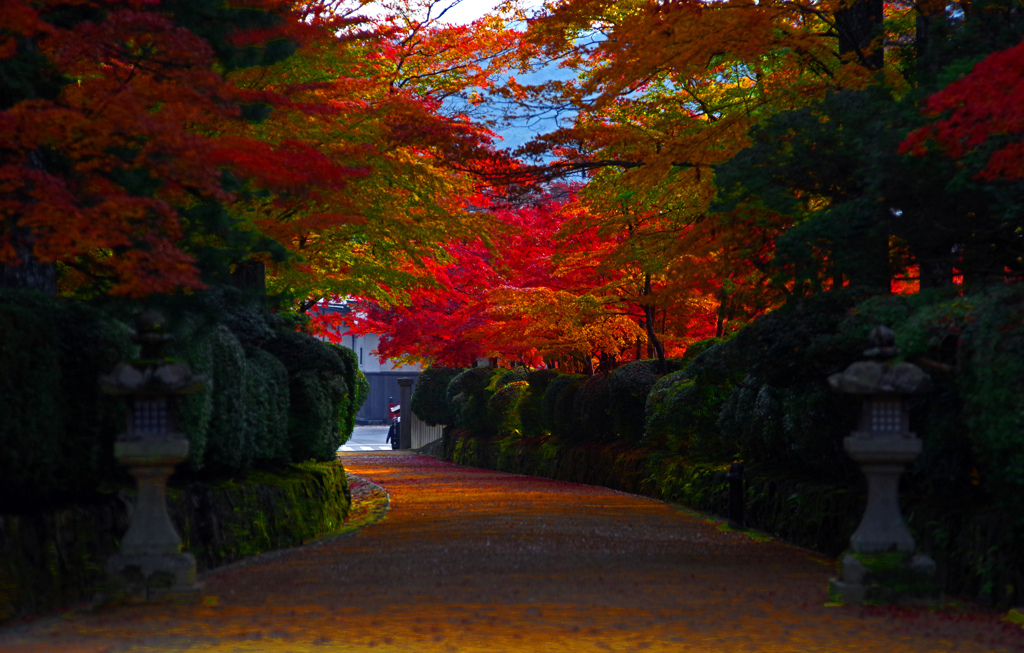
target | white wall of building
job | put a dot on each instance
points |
(368, 363)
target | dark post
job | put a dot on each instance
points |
(405, 397)
(737, 495)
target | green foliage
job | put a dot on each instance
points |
(315, 415)
(659, 414)
(228, 447)
(29, 374)
(629, 387)
(697, 348)
(266, 407)
(358, 387)
(591, 411)
(320, 411)
(682, 414)
(989, 382)
(531, 408)
(503, 408)
(57, 430)
(89, 341)
(558, 401)
(430, 397)
(196, 409)
(246, 415)
(468, 394)
(503, 378)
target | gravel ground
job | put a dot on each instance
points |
(470, 560)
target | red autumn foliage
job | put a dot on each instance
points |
(978, 109)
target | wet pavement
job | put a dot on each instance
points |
(470, 560)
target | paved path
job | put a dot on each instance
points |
(470, 560)
(367, 438)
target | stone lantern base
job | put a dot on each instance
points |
(151, 565)
(155, 577)
(882, 566)
(894, 578)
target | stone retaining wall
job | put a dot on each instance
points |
(56, 559)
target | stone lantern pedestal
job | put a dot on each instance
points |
(150, 563)
(882, 565)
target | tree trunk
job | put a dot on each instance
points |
(857, 25)
(720, 326)
(250, 275)
(652, 337)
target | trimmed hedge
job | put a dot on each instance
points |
(503, 408)
(227, 445)
(468, 394)
(272, 396)
(57, 431)
(430, 396)
(320, 398)
(628, 388)
(358, 387)
(266, 417)
(531, 407)
(591, 411)
(559, 398)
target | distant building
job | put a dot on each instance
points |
(383, 377)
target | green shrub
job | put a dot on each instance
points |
(659, 417)
(531, 407)
(301, 352)
(504, 377)
(319, 413)
(591, 411)
(196, 409)
(358, 387)
(89, 342)
(503, 408)
(628, 388)
(990, 382)
(315, 415)
(697, 348)
(558, 400)
(32, 428)
(228, 447)
(430, 396)
(468, 394)
(682, 408)
(266, 407)
(683, 414)
(58, 429)
(795, 344)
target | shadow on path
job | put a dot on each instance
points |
(474, 560)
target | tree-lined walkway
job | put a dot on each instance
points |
(474, 560)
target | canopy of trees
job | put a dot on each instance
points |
(718, 158)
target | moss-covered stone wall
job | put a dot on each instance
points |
(56, 559)
(975, 551)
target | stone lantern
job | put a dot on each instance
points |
(881, 565)
(150, 563)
